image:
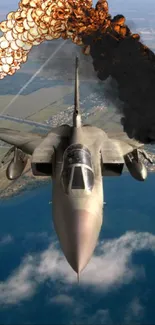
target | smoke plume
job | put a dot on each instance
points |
(115, 51)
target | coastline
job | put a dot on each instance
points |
(29, 186)
(28, 182)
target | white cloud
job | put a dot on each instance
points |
(135, 311)
(20, 285)
(62, 300)
(111, 267)
(102, 316)
(6, 240)
(42, 236)
(136, 307)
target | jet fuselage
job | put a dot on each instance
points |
(78, 196)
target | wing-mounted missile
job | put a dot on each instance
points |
(135, 166)
(7, 157)
(16, 165)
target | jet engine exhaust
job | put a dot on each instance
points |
(116, 52)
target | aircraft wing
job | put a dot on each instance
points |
(27, 141)
(23, 140)
(127, 146)
(113, 150)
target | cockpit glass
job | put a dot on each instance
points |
(77, 154)
(89, 178)
(78, 182)
(77, 169)
(66, 175)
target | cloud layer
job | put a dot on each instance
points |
(5, 240)
(109, 269)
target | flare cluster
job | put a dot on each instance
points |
(39, 20)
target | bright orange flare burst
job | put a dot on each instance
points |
(39, 20)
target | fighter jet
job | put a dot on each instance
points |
(76, 158)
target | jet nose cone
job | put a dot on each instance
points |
(79, 238)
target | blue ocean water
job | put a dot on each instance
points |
(130, 207)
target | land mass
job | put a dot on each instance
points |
(49, 102)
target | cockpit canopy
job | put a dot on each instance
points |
(77, 171)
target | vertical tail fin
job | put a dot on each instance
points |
(76, 94)
(76, 114)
